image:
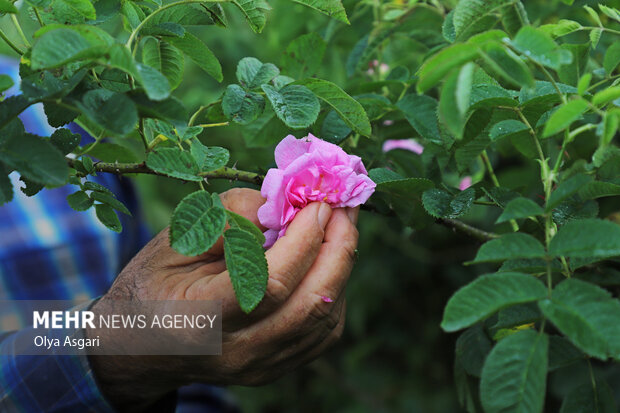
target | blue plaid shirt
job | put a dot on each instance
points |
(48, 251)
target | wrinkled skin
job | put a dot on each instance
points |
(290, 327)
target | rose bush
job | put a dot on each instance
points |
(495, 119)
(310, 170)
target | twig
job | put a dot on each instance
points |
(466, 229)
(141, 168)
(12, 45)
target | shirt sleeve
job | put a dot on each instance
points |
(46, 383)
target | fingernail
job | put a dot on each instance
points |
(325, 211)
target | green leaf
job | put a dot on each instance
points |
(209, 158)
(199, 53)
(349, 110)
(332, 8)
(59, 46)
(474, 16)
(5, 82)
(80, 201)
(510, 246)
(455, 99)
(508, 128)
(94, 186)
(598, 189)
(7, 7)
(440, 64)
(472, 348)
(442, 204)
(174, 162)
(6, 187)
(108, 217)
(420, 111)
(295, 105)
(303, 55)
(508, 65)
(490, 96)
(488, 294)
(593, 15)
(566, 189)
(612, 58)
(112, 111)
(34, 158)
(252, 73)
(587, 315)
(254, 12)
(564, 117)
(247, 267)
(65, 141)
(111, 152)
(241, 106)
(584, 83)
(514, 375)
(562, 353)
(183, 14)
(82, 8)
(586, 238)
(586, 399)
(134, 14)
(334, 129)
(197, 223)
(539, 47)
(110, 200)
(606, 95)
(514, 17)
(595, 36)
(520, 208)
(543, 93)
(165, 58)
(610, 12)
(242, 223)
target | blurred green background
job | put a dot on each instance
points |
(393, 357)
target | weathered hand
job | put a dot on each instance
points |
(291, 326)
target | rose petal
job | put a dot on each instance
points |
(406, 144)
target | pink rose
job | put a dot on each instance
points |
(310, 170)
(406, 144)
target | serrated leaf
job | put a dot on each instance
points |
(303, 55)
(110, 200)
(587, 315)
(82, 8)
(442, 204)
(510, 246)
(240, 106)
(564, 117)
(111, 152)
(6, 187)
(440, 64)
(514, 374)
(420, 111)
(598, 189)
(94, 186)
(254, 12)
(566, 189)
(165, 58)
(507, 129)
(242, 223)
(80, 201)
(174, 162)
(199, 53)
(196, 224)
(108, 217)
(334, 129)
(586, 238)
(543, 93)
(349, 110)
(508, 65)
(520, 208)
(539, 47)
(247, 267)
(112, 111)
(595, 36)
(209, 158)
(34, 158)
(612, 58)
(252, 73)
(610, 12)
(332, 8)
(295, 105)
(474, 16)
(65, 141)
(488, 294)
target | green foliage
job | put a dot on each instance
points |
(523, 98)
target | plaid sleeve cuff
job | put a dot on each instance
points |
(50, 383)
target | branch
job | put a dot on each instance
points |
(141, 168)
(466, 229)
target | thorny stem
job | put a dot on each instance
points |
(466, 229)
